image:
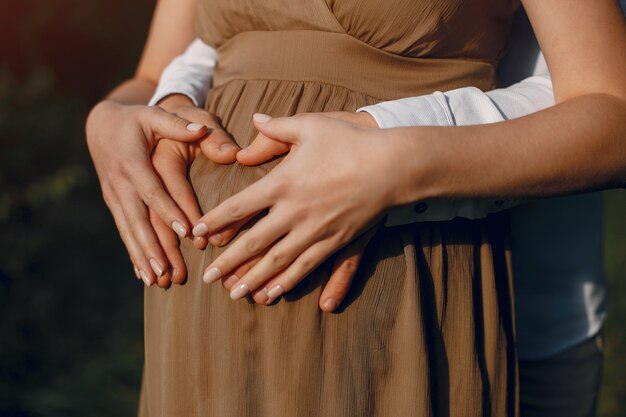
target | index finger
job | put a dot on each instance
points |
(148, 185)
(251, 200)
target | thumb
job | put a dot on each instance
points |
(159, 124)
(283, 129)
(261, 150)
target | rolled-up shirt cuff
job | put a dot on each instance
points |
(189, 74)
(444, 210)
(168, 89)
(413, 111)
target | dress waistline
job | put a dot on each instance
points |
(342, 60)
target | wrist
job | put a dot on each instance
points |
(366, 119)
(100, 111)
(416, 157)
(174, 101)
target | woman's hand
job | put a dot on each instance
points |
(121, 139)
(335, 184)
(347, 260)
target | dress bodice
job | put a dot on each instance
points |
(462, 29)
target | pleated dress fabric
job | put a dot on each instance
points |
(427, 327)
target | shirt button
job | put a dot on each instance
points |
(421, 207)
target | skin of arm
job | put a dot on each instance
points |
(576, 146)
(170, 32)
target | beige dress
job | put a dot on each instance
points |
(427, 328)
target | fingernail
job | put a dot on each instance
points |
(261, 118)
(216, 239)
(180, 230)
(158, 269)
(198, 243)
(330, 304)
(212, 275)
(162, 279)
(201, 229)
(136, 272)
(244, 151)
(275, 292)
(194, 127)
(224, 147)
(145, 277)
(240, 291)
(262, 297)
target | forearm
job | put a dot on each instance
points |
(575, 146)
(461, 107)
(133, 91)
(171, 30)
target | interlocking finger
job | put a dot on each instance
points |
(148, 186)
(256, 240)
(137, 217)
(279, 257)
(299, 269)
(177, 271)
(246, 203)
(140, 263)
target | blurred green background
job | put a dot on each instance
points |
(70, 307)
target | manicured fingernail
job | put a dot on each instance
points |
(180, 230)
(145, 277)
(163, 278)
(330, 304)
(199, 243)
(239, 291)
(261, 297)
(261, 118)
(275, 292)
(216, 239)
(156, 267)
(201, 229)
(194, 127)
(136, 272)
(212, 275)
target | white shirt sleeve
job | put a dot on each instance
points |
(464, 106)
(189, 74)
